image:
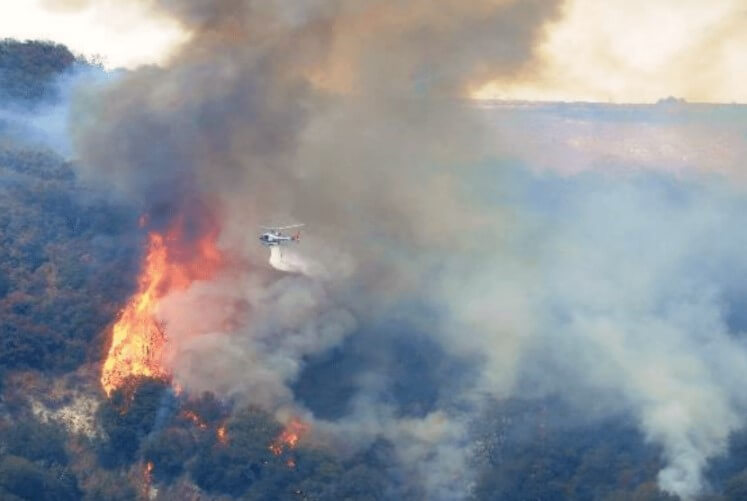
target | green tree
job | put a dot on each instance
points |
(127, 418)
(169, 451)
(26, 480)
(233, 467)
(28, 69)
(36, 441)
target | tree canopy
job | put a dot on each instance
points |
(28, 70)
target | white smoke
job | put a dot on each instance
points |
(628, 287)
(622, 280)
(606, 282)
(245, 335)
(47, 124)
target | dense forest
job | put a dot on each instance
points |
(68, 260)
(29, 70)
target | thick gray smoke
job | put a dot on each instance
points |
(344, 115)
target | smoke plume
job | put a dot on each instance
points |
(521, 265)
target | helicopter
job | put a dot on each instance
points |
(274, 236)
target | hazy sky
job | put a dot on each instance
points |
(638, 51)
(122, 31)
(612, 50)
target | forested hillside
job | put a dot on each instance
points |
(67, 261)
(29, 70)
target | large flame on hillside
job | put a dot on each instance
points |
(294, 431)
(138, 337)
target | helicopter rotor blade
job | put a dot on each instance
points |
(278, 228)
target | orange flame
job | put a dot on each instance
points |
(222, 434)
(196, 420)
(148, 475)
(288, 439)
(138, 338)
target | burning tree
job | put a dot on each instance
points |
(138, 337)
(288, 439)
